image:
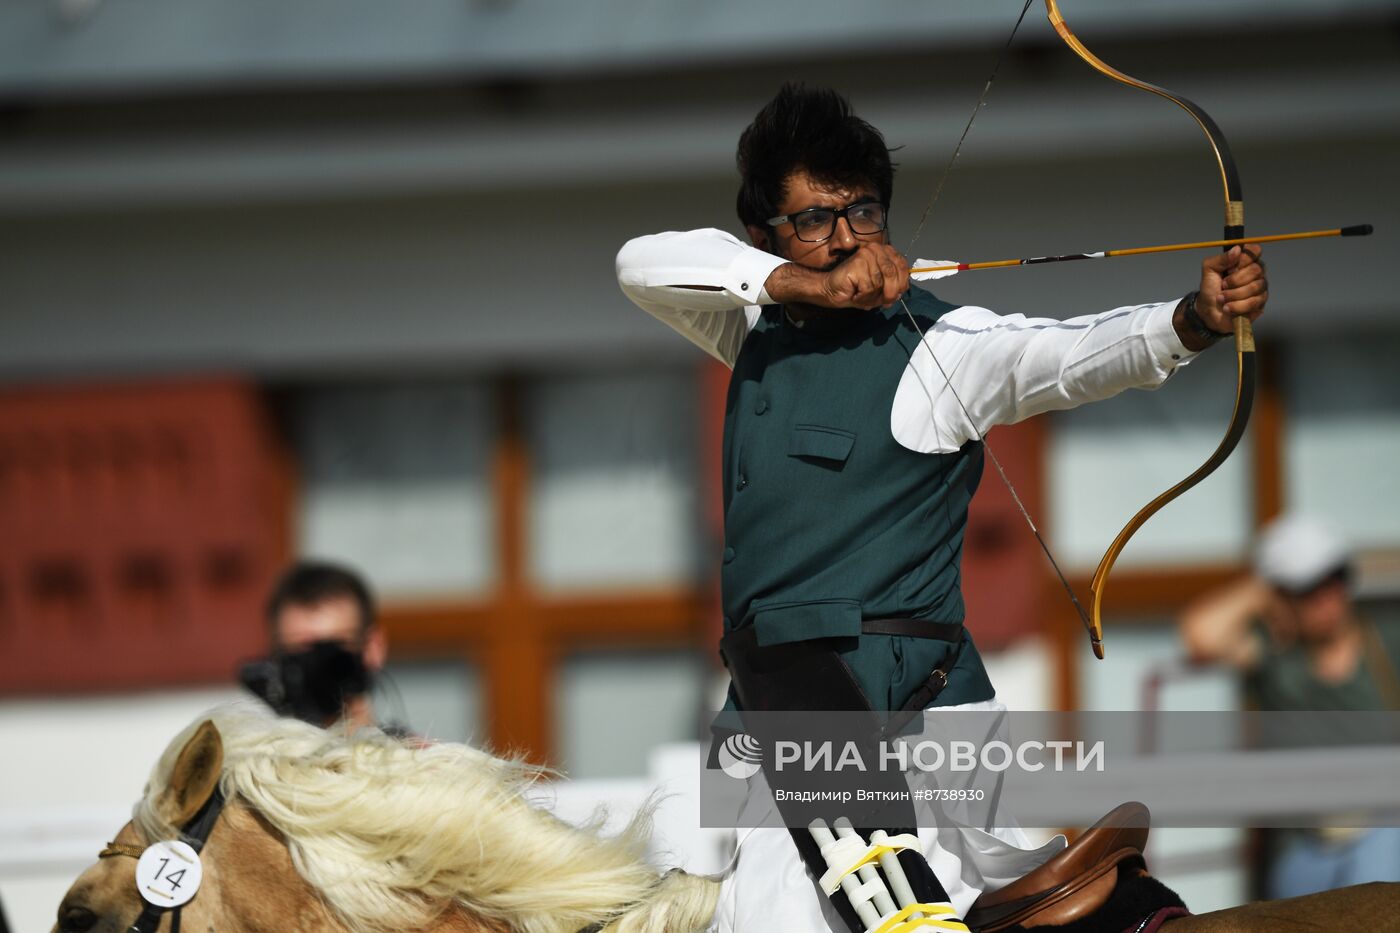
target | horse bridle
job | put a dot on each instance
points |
(195, 833)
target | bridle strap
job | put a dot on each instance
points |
(150, 919)
(197, 831)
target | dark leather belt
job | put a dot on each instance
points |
(914, 628)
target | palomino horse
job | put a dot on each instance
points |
(320, 834)
(324, 835)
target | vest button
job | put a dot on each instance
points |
(761, 407)
(743, 481)
(728, 555)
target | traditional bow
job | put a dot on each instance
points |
(1244, 332)
(1244, 335)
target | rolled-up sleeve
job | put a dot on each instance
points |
(705, 284)
(976, 369)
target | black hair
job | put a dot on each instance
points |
(812, 129)
(307, 583)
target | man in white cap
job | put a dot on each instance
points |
(1295, 631)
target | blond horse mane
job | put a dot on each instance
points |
(394, 836)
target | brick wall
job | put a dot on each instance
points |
(140, 527)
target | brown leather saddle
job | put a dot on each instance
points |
(1071, 885)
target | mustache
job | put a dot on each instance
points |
(836, 262)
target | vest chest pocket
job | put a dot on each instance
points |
(829, 447)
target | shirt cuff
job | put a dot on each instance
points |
(746, 274)
(1167, 348)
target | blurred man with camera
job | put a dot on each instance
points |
(326, 646)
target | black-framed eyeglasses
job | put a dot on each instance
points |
(817, 223)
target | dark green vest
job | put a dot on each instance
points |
(827, 518)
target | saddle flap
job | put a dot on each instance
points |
(1073, 883)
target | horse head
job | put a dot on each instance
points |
(105, 897)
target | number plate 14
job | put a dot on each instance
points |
(168, 873)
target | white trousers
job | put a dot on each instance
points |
(767, 888)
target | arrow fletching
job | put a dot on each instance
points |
(925, 270)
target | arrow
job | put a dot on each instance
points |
(925, 269)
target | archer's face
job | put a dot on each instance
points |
(804, 193)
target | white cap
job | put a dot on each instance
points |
(1297, 552)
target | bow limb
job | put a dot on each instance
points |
(1244, 334)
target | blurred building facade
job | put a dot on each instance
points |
(335, 279)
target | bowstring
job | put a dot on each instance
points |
(978, 434)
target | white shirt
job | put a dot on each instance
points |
(708, 286)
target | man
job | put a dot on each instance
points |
(850, 458)
(326, 647)
(1294, 630)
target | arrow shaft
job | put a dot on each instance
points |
(1360, 230)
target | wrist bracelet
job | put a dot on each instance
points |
(1195, 325)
